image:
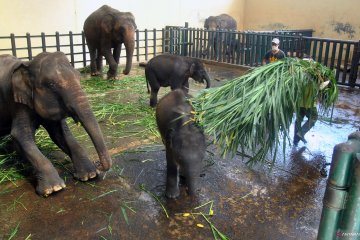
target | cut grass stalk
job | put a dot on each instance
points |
(14, 232)
(215, 231)
(103, 195)
(142, 187)
(254, 112)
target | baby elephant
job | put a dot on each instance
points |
(174, 71)
(184, 142)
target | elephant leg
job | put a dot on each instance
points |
(117, 52)
(23, 132)
(172, 175)
(153, 96)
(112, 73)
(62, 137)
(99, 64)
(93, 61)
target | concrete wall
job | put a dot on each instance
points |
(329, 18)
(20, 16)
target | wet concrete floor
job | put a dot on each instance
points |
(128, 202)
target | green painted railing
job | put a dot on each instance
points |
(340, 218)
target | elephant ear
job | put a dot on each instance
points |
(22, 86)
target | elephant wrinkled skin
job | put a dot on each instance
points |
(44, 92)
(174, 71)
(107, 29)
(184, 142)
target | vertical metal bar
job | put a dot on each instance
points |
(13, 44)
(28, 40)
(182, 42)
(146, 44)
(171, 41)
(238, 46)
(83, 47)
(346, 62)
(242, 45)
(71, 40)
(192, 37)
(137, 45)
(252, 54)
(154, 41)
(57, 37)
(199, 41)
(320, 51)
(338, 66)
(314, 49)
(186, 39)
(333, 55)
(43, 42)
(258, 50)
(163, 40)
(190, 42)
(326, 58)
(354, 64)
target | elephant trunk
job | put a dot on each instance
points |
(82, 112)
(129, 43)
(207, 79)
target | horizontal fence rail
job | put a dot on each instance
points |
(248, 48)
(245, 48)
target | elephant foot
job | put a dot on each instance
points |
(153, 103)
(113, 78)
(49, 183)
(94, 74)
(172, 193)
(85, 170)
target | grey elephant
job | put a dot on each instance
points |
(174, 71)
(184, 142)
(44, 92)
(222, 21)
(107, 29)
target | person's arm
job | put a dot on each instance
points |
(265, 59)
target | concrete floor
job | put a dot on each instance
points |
(257, 202)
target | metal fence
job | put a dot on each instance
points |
(245, 48)
(147, 44)
(248, 48)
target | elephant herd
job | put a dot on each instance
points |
(46, 90)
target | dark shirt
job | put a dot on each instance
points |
(271, 57)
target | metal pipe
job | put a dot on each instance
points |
(350, 222)
(336, 192)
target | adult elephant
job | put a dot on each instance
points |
(174, 71)
(107, 29)
(222, 21)
(44, 92)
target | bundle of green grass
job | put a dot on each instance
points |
(252, 114)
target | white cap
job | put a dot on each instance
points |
(276, 41)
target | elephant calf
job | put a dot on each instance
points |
(184, 142)
(174, 71)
